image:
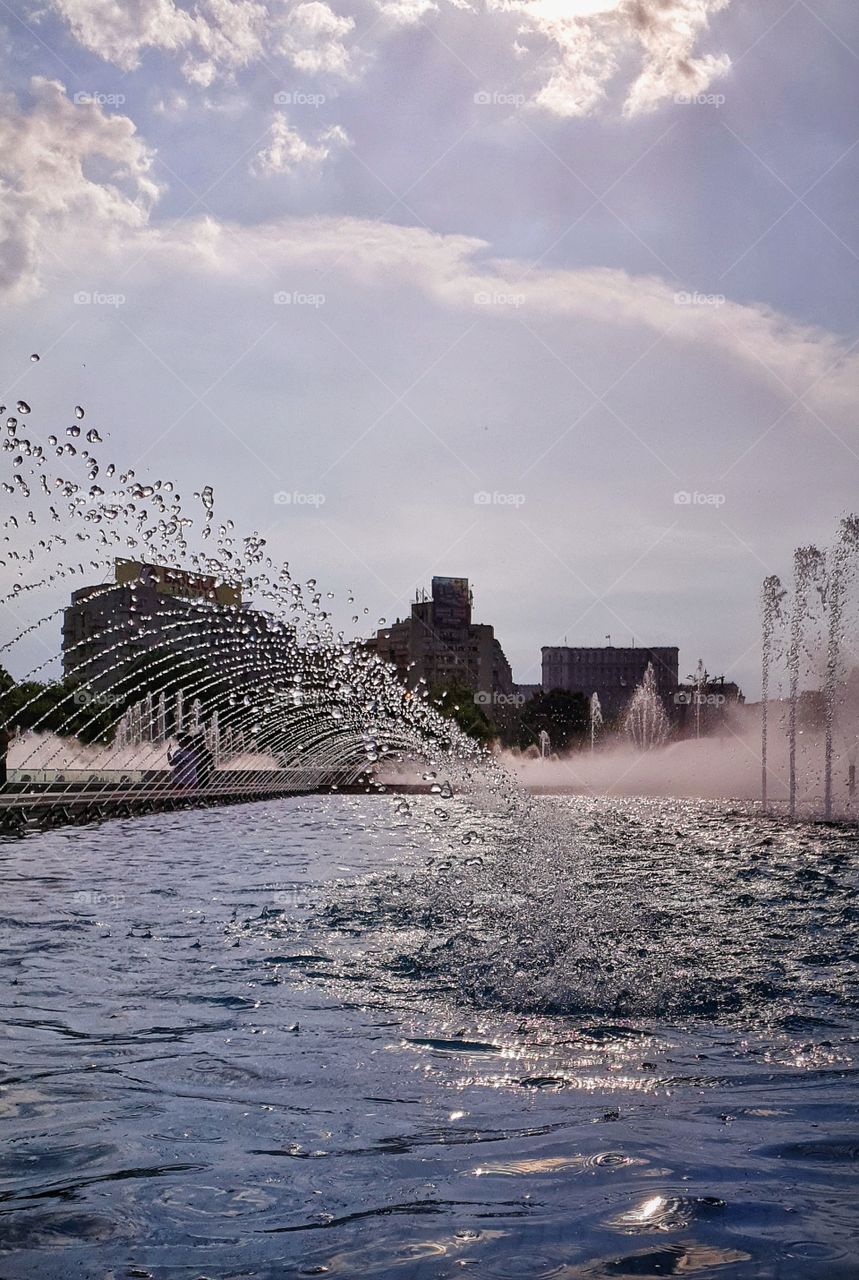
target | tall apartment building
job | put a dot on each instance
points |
(610, 672)
(440, 643)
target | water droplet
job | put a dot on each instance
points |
(35, 358)
(23, 407)
(93, 437)
(73, 431)
(79, 413)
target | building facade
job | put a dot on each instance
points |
(439, 643)
(610, 672)
(154, 617)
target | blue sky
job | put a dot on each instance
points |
(578, 256)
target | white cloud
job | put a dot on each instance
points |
(65, 168)
(119, 32)
(313, 39)
(452, 270)
(591, 40)
(216, 38)
(288, 152)
(407, 12)
(574, 49)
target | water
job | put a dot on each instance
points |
(383, 1037)
(822, 582)
(645, 721)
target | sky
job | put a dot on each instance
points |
(558, 295)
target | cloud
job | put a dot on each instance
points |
(589, 42)
(72, 173)
(65, 168)
(288, 152)
(312, 37)
(454, 272)
(408, 12)
(119, 33)
(570, 51)
(217, 38)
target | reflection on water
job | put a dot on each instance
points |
(337, 1036)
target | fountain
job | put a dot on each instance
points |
(808, 566)
(819, 603)
(199, 634)
(645, 721)
(596, 717)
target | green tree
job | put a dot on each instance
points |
(563, 715)
(457, 702)
(56, 706)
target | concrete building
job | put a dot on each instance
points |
(439, 642)
(612, 673)
(156, 612)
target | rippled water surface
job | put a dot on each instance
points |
(376, 1037)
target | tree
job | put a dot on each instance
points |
(458, 702)
(564, 716)
(53, 707)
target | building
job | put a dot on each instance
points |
(156, 618)
(439, 643)
(704, 708)
(611, 673)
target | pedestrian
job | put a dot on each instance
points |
(183, 762)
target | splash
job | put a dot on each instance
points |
(645, 722)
